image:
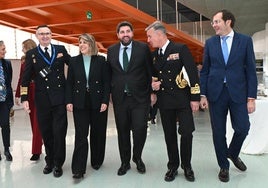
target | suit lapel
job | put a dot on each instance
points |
(234, 48)
(219, 50)
(80, 66)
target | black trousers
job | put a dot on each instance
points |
(186, 127)
(131, 116)
(53, 127)
(97, 121)
(5, 124)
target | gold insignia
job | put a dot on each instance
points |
(154, 60)
(173, 56)
(154, 79)
(180, 81)
(195, 89)
(23, 90)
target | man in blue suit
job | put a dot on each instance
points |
(228, 84)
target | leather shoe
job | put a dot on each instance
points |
(140, 165)
(153, 121)
(35, 157)
(123, 169)
(78, 175)
(8, 156)
(188, 173)
(224, 175)
(0, 157)
(47, 169)
(170, 175)
(238, 163)
(57, 171)
(96, 167)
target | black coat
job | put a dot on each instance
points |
(99, 82)
(53, 85)
(138, 76)
(170, 95)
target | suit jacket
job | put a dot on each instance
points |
(8, 72)
(240, 70)
(53, 85)
(138, 76)
(98, 81)
(170, 96)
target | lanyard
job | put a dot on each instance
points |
(46, 60)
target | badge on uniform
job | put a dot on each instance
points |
(174, 56)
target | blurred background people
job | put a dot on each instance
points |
(87, 96)
(36, 135)
(6, 99)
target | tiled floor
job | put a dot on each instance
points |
(22, 172)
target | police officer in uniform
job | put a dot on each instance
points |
(45, 66)
(175, 97)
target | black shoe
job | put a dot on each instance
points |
(96, 167)
(224, 175)
(238, 163)
(57, 171)
(47, 169)
(153, 121)
(78, 175)
(140, 165)
(8, 156)
(123, 169)
(0, 157)
(35, 157)
(188, 173)
(170, 175)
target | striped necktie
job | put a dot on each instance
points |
(2, 83)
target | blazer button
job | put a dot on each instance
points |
(46, 79)
(163, 89)
(59, 85)
(47, 87)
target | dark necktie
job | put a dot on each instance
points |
(161, 52)
(125, 59)
(224, 48)
(2, 84)
(46, 53)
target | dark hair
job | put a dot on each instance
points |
(227, 15)
(41, 26)
(122, 24)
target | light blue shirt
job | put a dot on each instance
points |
(229, 40)
(122, 47)
(87, 60)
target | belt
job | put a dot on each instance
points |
(87, 89)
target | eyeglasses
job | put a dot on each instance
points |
(215, 22)
(44, 34)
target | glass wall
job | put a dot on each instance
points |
(13, 39)
(174, 13)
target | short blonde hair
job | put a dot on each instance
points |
(29, 44)
(89, 38)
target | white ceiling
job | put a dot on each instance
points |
(251, 15)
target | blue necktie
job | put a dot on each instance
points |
(224, 48)
(2, 84)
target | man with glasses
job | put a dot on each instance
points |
(228, 83)
(45, 66)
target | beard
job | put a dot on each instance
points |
(126, 41)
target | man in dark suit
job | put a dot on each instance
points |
(228, 83)
(131, 88)
(45, 66)
(175, 97)
(6, 99)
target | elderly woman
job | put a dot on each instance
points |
(87, 95)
